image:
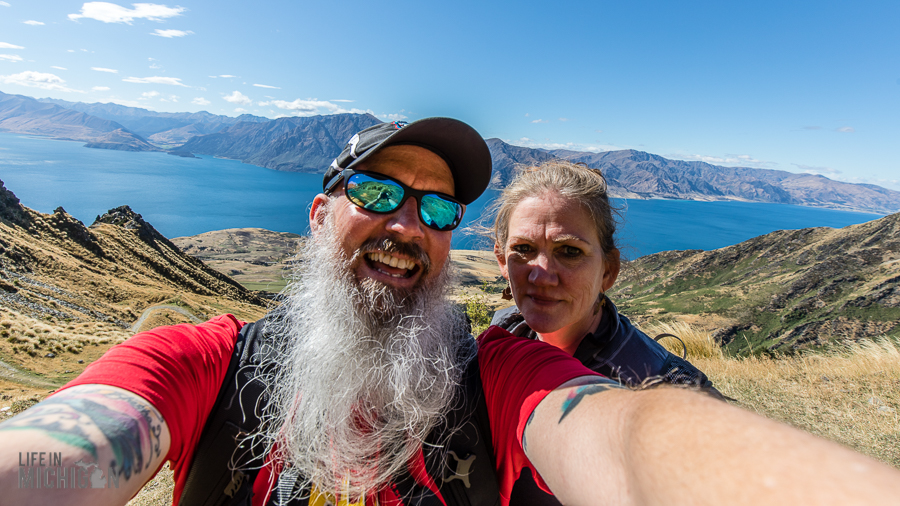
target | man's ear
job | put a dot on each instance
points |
(612, 263)
(317, 212)
(501, 261)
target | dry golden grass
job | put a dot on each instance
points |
(157, 492)
(697, 342)
(849, 394)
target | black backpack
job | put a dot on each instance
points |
(224, 466)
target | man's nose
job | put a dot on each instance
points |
(542, 271)
(405, 221)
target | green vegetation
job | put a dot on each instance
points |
(478, 309)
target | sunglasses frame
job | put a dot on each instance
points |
(408, 192)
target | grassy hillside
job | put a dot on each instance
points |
(69, 292)
(780, 292)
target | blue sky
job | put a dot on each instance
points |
(800, 86)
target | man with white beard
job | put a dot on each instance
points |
(364, 367)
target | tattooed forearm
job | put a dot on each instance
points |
(599, 385)
(81, 418)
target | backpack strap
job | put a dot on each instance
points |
(462, 459)
(224, 466)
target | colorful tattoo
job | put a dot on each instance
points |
(130, 425)
(599, 385)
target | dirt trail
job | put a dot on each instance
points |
(147, 312)
(10, 373)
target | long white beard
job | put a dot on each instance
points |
(358, 387)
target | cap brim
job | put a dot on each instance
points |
(456, 142)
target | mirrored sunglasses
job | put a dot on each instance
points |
(382, 194)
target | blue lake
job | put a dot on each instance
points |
(186, 196)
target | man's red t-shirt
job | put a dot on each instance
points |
(179, 369)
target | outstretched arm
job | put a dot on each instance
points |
(89, 444)
(598, 444)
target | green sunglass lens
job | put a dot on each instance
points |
(439, 213)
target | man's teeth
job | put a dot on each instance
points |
(399, 263)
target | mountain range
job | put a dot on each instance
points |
(308, 144)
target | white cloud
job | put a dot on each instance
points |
(172, 98)
(7, 45)
(100, 88)
(341, 100)
(728, 160)
(149, 94)
(101, 69)
(392, 117)
(531, 143)
(527, 114)
(58, 68)
(112, 13)
(539, 121)
(127, 103)
(238, 98)
(240, 110)
(311, 107)
(33, 22)
(155, 66)
(4, 4)
(38, 80)
(809, 169)
(223, 76)
(267, 86)
(11, 57)
(70, 50)
(846, 129)
(200, 101)
(564, 119)
(173, 81)
(171, 33)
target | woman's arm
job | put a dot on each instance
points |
(597, 444)
(89, 444)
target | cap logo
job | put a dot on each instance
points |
(353, 142)
(399, 124)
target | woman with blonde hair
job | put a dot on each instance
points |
(554, 234)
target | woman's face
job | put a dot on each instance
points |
(555, 265)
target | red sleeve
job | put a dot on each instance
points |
(179, 370)
(517, 374)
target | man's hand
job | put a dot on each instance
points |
(89, 444)
(595, 443)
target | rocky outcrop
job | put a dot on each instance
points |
(53, 266)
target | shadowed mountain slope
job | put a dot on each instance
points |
(787, 290)
(292, 144)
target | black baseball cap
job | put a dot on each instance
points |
(457, 143)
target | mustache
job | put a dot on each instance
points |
(389, 245)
